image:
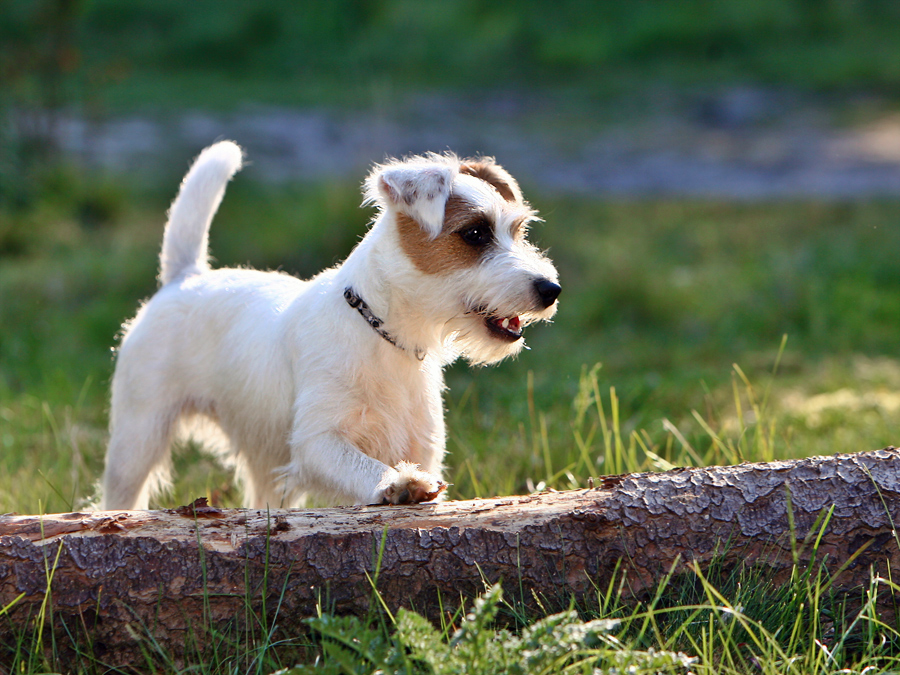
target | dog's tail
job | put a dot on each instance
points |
(185, 242)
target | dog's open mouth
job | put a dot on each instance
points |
(504, 328)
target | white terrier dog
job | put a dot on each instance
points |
(330, 386)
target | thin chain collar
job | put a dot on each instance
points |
(360, 306)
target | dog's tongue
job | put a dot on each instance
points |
(507, 328)
(511, 324)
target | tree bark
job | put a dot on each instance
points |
(169, 574)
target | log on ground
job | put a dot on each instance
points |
(117, 575)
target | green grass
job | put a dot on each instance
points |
(668, 296)
(704, 622)
(689, 626)
(115, 55)
(686, 304)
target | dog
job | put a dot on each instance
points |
(331, 386)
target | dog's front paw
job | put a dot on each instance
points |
(412, 486)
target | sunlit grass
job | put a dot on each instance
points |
(685, 304)
(725, 333)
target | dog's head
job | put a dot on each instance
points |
(462, 227)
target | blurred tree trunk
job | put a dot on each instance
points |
(117, 576)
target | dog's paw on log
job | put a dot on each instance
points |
(411, 485)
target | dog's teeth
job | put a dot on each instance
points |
(505, 323)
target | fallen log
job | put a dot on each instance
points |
(119, 575)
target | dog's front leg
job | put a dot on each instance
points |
(329, 464)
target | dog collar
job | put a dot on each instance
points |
(360, 306)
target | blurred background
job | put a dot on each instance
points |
(720, 183)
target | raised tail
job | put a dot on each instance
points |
(186, 239)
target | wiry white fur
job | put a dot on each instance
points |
(309, 396)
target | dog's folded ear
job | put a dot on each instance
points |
(492, 173)
(418, 187)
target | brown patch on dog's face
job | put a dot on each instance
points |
(452, 249)
(493, 175)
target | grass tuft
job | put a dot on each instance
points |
(686, 303)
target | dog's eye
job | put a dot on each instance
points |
(478, 234)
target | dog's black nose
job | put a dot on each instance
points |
(547, 291)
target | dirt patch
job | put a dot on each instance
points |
(740, 143)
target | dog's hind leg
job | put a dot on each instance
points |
(262, 489)
(137, 459)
